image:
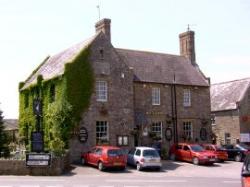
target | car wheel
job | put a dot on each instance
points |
(100, 166)
(138, 166)
(172, 157)
(83, 161)
(195, 161)
(237, 158)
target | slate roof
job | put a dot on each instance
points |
(54, 66)
(226, 95)
(148, 66)
(162, 68)
(10, 124)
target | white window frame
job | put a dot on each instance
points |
(188, 129)
(103, 133)
(156, 96)
(186, 97)
(102, 91)
(122, 140)
(156, 127)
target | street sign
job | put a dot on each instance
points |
(38, 159)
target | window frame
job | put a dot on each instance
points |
(188, 129)
(154, 128)
(123, 141)
(101, 91)
(156, 96)
(99, 134)
(186, 97)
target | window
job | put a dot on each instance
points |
(157, 129)
(227, 138)
(101, 91)
(138, 152)
(52, 93)
(156, 96)
(188, 130)
(186, 97)
(101, 132)
(122, 140)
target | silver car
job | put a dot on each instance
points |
(144, 157)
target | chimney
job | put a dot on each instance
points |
(104, 26)
(187, 47)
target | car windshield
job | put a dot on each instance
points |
(150, 153)
(243, 146)
(197, 148)
(115, 152)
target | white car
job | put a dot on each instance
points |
(144, 157)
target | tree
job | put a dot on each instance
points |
(4, 150)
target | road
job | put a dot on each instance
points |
(174, 174)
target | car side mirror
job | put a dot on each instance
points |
(245, 173)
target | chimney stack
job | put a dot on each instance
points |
(187, 47)
(104, 26)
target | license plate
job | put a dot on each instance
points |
(152, 160)
(117, 164)
(212, 160)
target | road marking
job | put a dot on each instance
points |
(29, 186)
(234, 182)
(81, 186)
(5, 186)
(144, 181)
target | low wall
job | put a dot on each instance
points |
(18, 167)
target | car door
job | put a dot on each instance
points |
(137, 156)
(90, 155)
(131, 160)
(97, 156)
(186, 153)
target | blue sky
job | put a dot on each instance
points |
(30, 30)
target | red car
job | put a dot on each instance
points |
(191, 153)
(105, 157)
(245, 172)
(220, 152)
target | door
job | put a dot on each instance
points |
(186, 153)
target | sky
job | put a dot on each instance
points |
(31, 30)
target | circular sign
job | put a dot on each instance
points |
(203, 134)
(83, 134)
(168, 134)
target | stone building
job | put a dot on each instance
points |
(230, 106)
(139, 97)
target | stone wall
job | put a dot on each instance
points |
(18, 167)
(227, 122)
(198, 111)
(118, 109)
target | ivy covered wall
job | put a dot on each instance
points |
(64, 99)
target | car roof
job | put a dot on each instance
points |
(144, 147)
(107, 147)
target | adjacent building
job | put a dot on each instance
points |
(230, 106)
(137, 97)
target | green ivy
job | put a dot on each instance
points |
(73, 90)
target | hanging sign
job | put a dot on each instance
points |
(168, 134)
(83, 134)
